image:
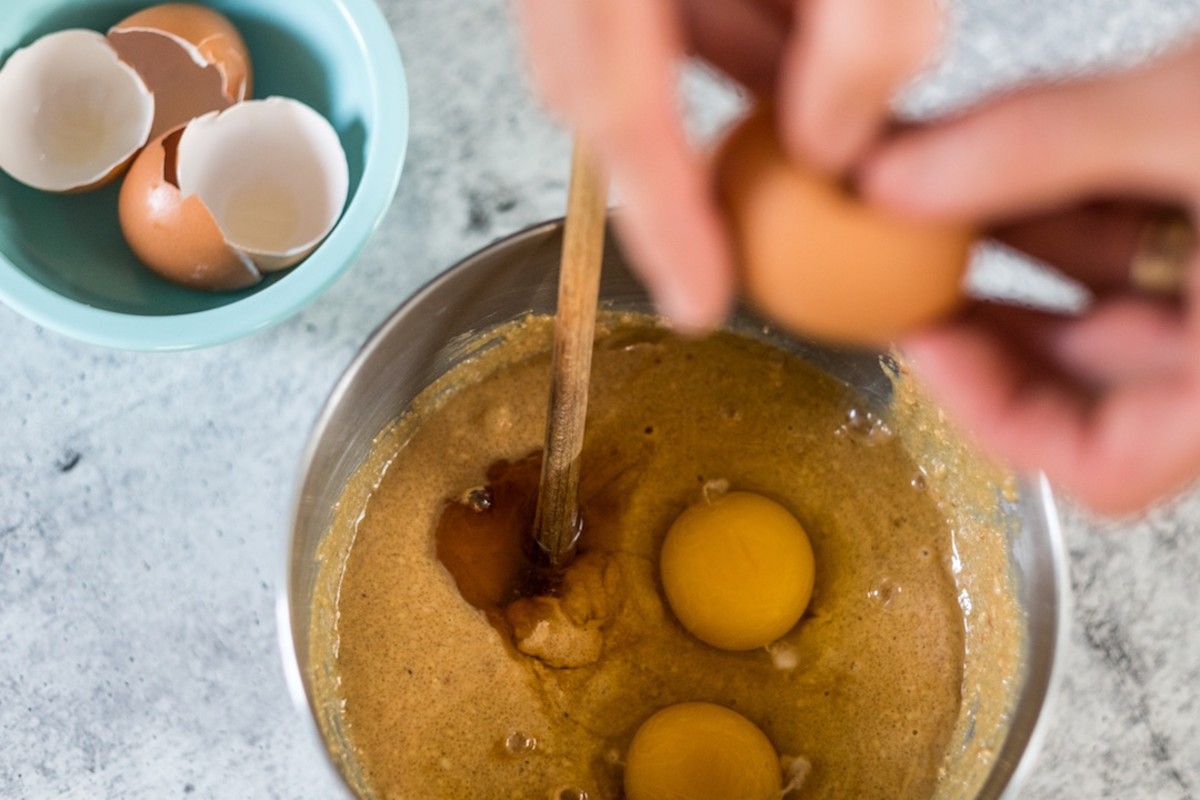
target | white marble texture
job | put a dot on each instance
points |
(143, 498)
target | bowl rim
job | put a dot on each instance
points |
(1035, 486)
(274, 303)
(1050, 689)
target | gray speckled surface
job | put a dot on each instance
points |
(143, 498)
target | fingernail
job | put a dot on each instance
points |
(892, 176)
(913, 349)
(849, 132)
(911, 356)
(687, 312)
(912, 177)
(833, 140)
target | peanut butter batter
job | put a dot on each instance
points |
(429, 690)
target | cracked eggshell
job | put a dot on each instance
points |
(253, 188)
(192, 58)
(176, 236)
(72, 114)
(272, 172)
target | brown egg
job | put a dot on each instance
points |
(822, 262)
(177, 237)
(232, 194)
(191, 57)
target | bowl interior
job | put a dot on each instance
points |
(432, 332)
(71, 245)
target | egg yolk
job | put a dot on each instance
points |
(701, 751)
(737, 571)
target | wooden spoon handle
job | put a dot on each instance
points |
(557, 524)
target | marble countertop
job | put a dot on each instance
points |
(144, 498)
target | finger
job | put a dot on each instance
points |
(845, 61)
(673, 234)
(743, 40)
(1093, 243)
(599, 62)
(609, 66)
(986, 382)
(1121, 340)
(1116, 452)
(1048, 147)
(1125, 341)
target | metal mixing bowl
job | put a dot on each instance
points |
(425, 337)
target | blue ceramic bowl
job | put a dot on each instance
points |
(63, 260)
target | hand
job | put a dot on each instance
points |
(1107, 402)
(609, 67)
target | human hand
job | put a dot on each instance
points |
(609, 67)
(1107, 402)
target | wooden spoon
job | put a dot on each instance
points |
(557, 524)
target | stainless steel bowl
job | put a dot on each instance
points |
(424, 338)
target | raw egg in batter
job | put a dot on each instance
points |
(701, 751)
(737, 570)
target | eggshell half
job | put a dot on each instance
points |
(822, 262)
(272, 172)
(211, 33)
(72, 114)
(191, 57)
(173, 235)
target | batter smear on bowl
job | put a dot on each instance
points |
(449, 667)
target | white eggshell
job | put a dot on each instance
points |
(272, 173)
(71, 112)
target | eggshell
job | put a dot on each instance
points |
(211, 33)
(272, 172)
(254, 187)
(173, 235)
(819, 260)
(72, 115)
(191, 57)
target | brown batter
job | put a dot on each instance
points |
(863, 699)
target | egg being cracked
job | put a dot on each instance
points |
(820, 260)
(75, 106)
(235, 193)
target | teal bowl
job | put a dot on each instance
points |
(63, 261)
